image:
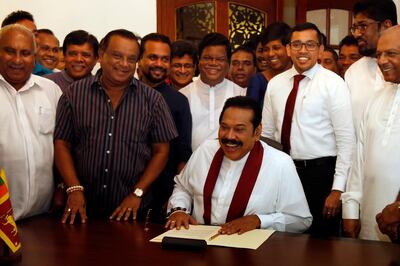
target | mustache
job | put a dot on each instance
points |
(231, 141)
(158, 68)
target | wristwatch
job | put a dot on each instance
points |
(138, 192)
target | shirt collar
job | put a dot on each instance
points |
(203, 85)
(67, 77)
(28, 84)
(308, 73)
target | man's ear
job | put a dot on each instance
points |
(386, 24)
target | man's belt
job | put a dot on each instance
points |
(314, 162)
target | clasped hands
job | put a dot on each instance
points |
(76, 205)
(241, 225)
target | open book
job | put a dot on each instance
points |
(250, 240)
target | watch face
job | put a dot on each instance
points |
(138, 192)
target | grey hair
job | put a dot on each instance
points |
(18, 28)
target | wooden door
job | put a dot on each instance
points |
(236, 19)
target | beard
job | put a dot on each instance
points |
(153, 79)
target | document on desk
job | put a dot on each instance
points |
(250, 240)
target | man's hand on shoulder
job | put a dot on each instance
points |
(240, 225)
(179, 219)
(75, 204)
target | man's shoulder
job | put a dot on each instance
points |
(275, 156)
(82, 83)
(186, 91)
(362, 66)
(44, 82)
(54, 75)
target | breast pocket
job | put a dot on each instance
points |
(46, 120)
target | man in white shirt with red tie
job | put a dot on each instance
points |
(313, 122)
(238, 181)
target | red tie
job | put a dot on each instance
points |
(287, 119)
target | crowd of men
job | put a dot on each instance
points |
(144, 132)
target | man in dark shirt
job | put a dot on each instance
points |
(154, 63)
(112, 136)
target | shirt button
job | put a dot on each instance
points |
(112, 117)
(108, 100)
(110, 134)
(108, 152)
(106, 170)
(104, 186)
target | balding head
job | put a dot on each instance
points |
(17, 54)
(388, 54)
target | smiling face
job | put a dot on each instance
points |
(304, 59)
(118, 61)
(276, 55)
(154, 63)
(47, 50)
(262, 63)
(388, 54)
(182, 71)
(213, 64)
(79, 60)
(17, 57)
(236, 132)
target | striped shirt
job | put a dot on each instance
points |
(111, 148)
(62, 79)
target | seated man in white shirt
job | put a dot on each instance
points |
(238, 181)
(27, 114)
(208, 93)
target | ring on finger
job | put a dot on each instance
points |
(129, 209)
(172, 222)
(69, 210)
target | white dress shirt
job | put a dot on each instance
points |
(206, 104)
(26, 143)
(364, 79)
(374, 180)
(277, 198)
(322, 124)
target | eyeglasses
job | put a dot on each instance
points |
(208, 59)
(310, 45)
(362, 27)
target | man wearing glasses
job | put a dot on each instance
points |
(207, 94)
(364, 78)
(307, 108)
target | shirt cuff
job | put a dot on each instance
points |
(351, 210)
(339, 183)
(265, 221)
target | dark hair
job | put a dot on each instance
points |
(276, 31)
(246, 49)
(349, 40)
(80, 37)
(181, 48)
(324, 39)
(332, 51)
(214, 39)
(17, 16)
(44, 31)
(377, 10)
(120, 32)
(244, 102)
(307, 26)
(157, 37)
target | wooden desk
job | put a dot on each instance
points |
(45, 241)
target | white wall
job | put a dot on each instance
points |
(397, 2)
(95, 16)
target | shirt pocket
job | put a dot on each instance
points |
(46, 120)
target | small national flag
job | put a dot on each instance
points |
(8, 228)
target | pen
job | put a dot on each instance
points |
(214, 236)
